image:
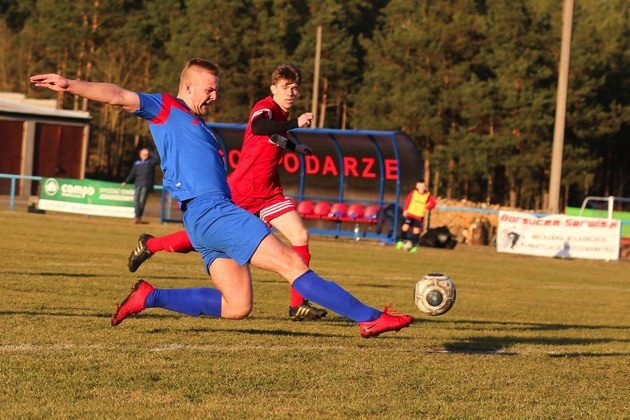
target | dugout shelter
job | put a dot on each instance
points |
(350, 186)
(39, 140)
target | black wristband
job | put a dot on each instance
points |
(262, 126)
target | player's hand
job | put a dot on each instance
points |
(305, 119)
(303, 149)
(51, 81)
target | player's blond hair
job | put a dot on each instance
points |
(200, 63)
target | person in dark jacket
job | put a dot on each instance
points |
(143, 176)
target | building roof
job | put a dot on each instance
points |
(16, 105)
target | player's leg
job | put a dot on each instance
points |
(273, 255)
(404, 233)
(415, 235)
(290, 224)
(142, 201)
(148, 245)
(234, 281)
(137, 193)
(232, 297)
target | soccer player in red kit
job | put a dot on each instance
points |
(255, 183)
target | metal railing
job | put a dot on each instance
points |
(13, 178)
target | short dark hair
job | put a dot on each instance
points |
(286, 72)
(204, 64)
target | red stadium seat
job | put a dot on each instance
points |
(322, 209)
(355, 211)
(371, 213)
(338, 211)
(306, 208)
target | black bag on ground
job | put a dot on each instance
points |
(439, 237)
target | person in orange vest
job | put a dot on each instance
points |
(419, 201)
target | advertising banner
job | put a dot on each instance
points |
(558, 236)
(366, 163)
(86, 196)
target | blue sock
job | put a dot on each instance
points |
(332, 296)
(193, 301)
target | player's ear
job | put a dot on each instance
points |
(272, 88)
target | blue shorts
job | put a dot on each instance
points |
(219, 229)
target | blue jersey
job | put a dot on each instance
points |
(189, 152)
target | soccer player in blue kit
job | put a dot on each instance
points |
(228, 237)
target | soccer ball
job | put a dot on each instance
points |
(407, 245)
(435, 294)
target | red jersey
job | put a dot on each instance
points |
(256, 174)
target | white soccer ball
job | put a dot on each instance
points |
(435, 294)
(407, 245)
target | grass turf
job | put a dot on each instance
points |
(527, 337)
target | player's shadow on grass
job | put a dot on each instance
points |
(270, 281)
(501, 345)
(182, 278)
(464, 324)
(49, 313)
(328, 320)
(248, 331)
(51, 274)
(54, 312)
(587, 354)
(377, 286)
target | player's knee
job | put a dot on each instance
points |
(240, 311)
(300, 237)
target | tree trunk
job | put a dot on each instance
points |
(90, 54)
(513, 193)
(489, 188)
(79, 73)
(344, 111)
(427, 170)
(450, 179)
(436, 183)
(608, 165)
(62, 70)
(322, 109)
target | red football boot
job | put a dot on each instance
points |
(134, 303)
(388, 321)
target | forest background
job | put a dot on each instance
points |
(472, 81)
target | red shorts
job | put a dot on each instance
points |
(267, 208)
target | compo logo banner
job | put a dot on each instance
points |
(86, 196)
(51, 186)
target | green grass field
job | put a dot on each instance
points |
(527, 338)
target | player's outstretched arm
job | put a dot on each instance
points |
(100, 92)
(288, 144)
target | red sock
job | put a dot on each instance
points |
(302, 251)
(296, 298)
(175, 242)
